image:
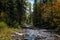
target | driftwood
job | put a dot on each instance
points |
(57, 35)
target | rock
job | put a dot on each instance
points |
(33, 34)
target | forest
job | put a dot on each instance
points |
(15, 13)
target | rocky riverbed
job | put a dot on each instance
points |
(34, 34)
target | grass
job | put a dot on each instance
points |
(5, 31)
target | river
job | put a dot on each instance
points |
(34, 34)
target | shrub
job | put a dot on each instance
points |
(3, 25)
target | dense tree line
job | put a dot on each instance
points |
(46, 14)
(12, 11)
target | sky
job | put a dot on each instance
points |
(31, 1)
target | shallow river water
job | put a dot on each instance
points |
(41, 34)
(34, 34)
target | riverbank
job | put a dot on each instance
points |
(5, 33)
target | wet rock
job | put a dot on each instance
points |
(33, 34)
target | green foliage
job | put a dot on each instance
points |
(12, 10)
(47, 15)
(5, 33)
(3, 25)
